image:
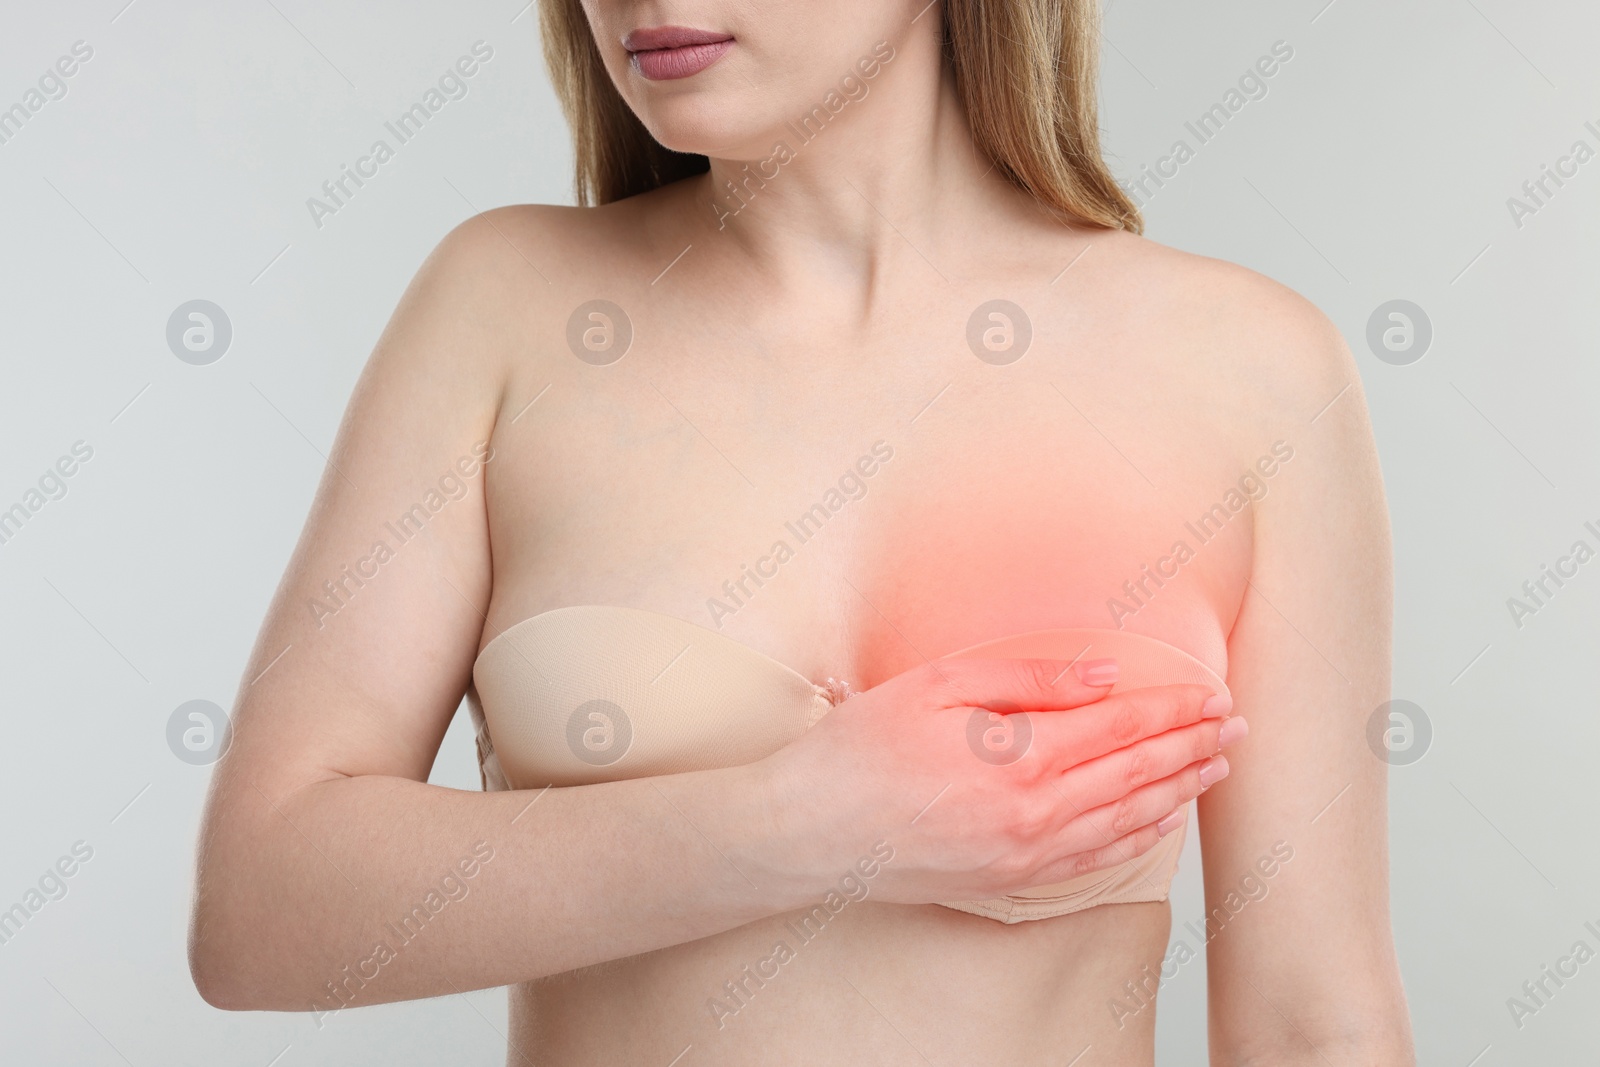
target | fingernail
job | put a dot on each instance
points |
(1098, 671)
(1232, 730)
(1213, 771)
(1171, 822)
(1216, 706)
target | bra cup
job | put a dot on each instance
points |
(1141, 661)
(597, 693)
(583, 695)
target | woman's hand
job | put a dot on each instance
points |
(988, 776)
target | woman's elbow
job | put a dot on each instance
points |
(213, 968)
(232, 965)
(234, 970)
(220, 961)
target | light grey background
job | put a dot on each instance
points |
(177, 166)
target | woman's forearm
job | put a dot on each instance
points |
(1387, 1044)
(361, 890)
(318, 889)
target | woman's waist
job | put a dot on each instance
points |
(867, 982)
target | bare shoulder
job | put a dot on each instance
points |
(507, 257)
(478, 303)
(1272, 350)
(519, 269)
(549, 241)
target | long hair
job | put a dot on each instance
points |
(1026, 72)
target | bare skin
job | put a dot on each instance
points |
(827, 316)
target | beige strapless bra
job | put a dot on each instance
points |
(595, 693)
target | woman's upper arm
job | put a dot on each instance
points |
(369, 640)
(1300, 954)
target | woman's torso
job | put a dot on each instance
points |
(1008, 496)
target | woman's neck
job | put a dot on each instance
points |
(879, 176)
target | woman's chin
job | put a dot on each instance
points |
(694, 143)
(703, 132)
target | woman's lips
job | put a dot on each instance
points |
(674, 51)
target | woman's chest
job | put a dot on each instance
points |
(856, 520)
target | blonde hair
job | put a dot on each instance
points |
(1025, 70)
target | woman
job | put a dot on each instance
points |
(858, 364)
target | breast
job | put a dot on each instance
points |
(600, 694)
(597, 693)
(1141, 661)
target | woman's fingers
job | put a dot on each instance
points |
(1072, 716)
(1087, 778)
(1013, 685)
(1126, 829)
(1111, 809)
(1077, 735)
(1145, 806)
(1108, 852)
(1117, 774)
